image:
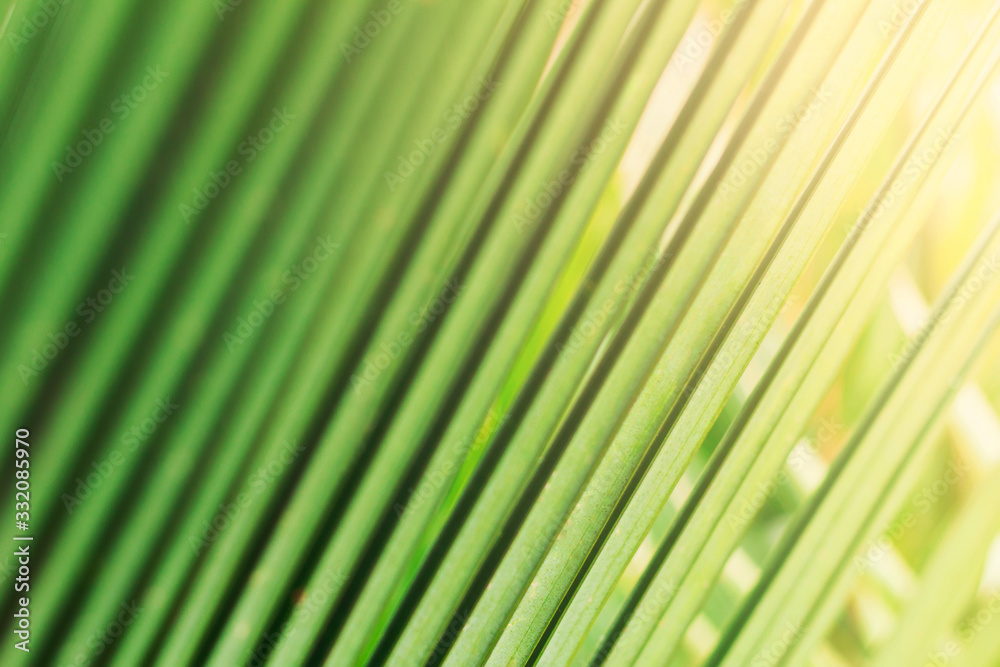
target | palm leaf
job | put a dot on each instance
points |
(512, 332)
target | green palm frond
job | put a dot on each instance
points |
(513, 332)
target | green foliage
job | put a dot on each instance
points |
(502, 332)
